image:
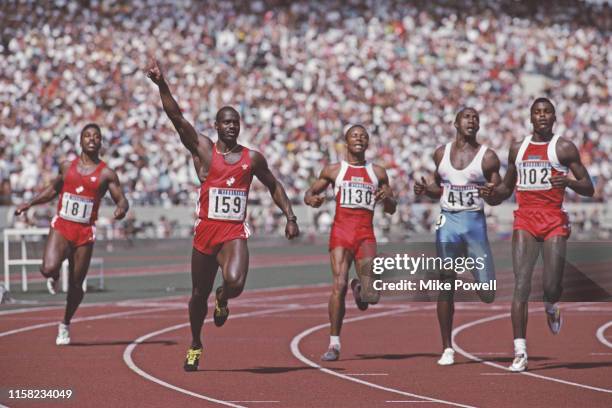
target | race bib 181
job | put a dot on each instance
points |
(76, 208)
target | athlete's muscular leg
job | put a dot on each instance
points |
(78, 262)
(234, 260)
(481, 249)
(203, 271)
(554, 265)
(525, 252)
(57, 249)
(445, 309)
(366, 278)
(341, 259)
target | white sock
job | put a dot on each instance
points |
(334, 342)
(550, 307)
(520, 346)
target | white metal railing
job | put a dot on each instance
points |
(24, 261)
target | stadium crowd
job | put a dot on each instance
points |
(298, 72)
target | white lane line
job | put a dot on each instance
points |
(490, 353)
(284, 297)
(601, 354)
(295, 350)
(135, 301)
(497, 373)
(601, 336)
(409, 401)
(127, 358)
(254, 402)
(491, 364)
(29, 309)
(362, 374)
(81, 319)
(127, 353)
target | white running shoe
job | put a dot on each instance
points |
(52, 285)
(63, 335)
(332, 354)
(554, 320)
(448, 357)
(519, 363)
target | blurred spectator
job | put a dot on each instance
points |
(297, 72)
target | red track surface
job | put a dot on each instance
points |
(388, 357)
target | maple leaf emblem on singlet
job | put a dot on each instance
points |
(230, 181)
(79, 189)
(245, 166)
(93, 179)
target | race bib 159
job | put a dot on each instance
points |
(227, 204)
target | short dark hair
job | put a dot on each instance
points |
(458, 115)
(542, 99)
(353, 127)
(225, 109)
(91, 125)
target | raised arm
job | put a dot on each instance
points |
(384, 192)
(48, 193)
(313, 196)
(116, 192)
(569, 156)
(263, 173)
(189, 136)
(432, 190)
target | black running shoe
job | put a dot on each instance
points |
(221, 310)
(356, 289)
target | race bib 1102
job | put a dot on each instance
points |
(534, 175)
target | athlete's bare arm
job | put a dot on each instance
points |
(490, 168)
(314, 196)
(263, 173)
(199, 146)
(496, 194)
(116, 192)
(569, 156)
(48, 193)
(431, 190)
(384, 192)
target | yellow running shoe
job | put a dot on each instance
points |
(193, 359)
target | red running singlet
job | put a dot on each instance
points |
(355, 190)
(540, 206)
(222, 205)
(77, 210)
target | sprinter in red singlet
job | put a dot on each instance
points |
(225, 169)
(81, 185)
(538, 167)
(358, 186)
